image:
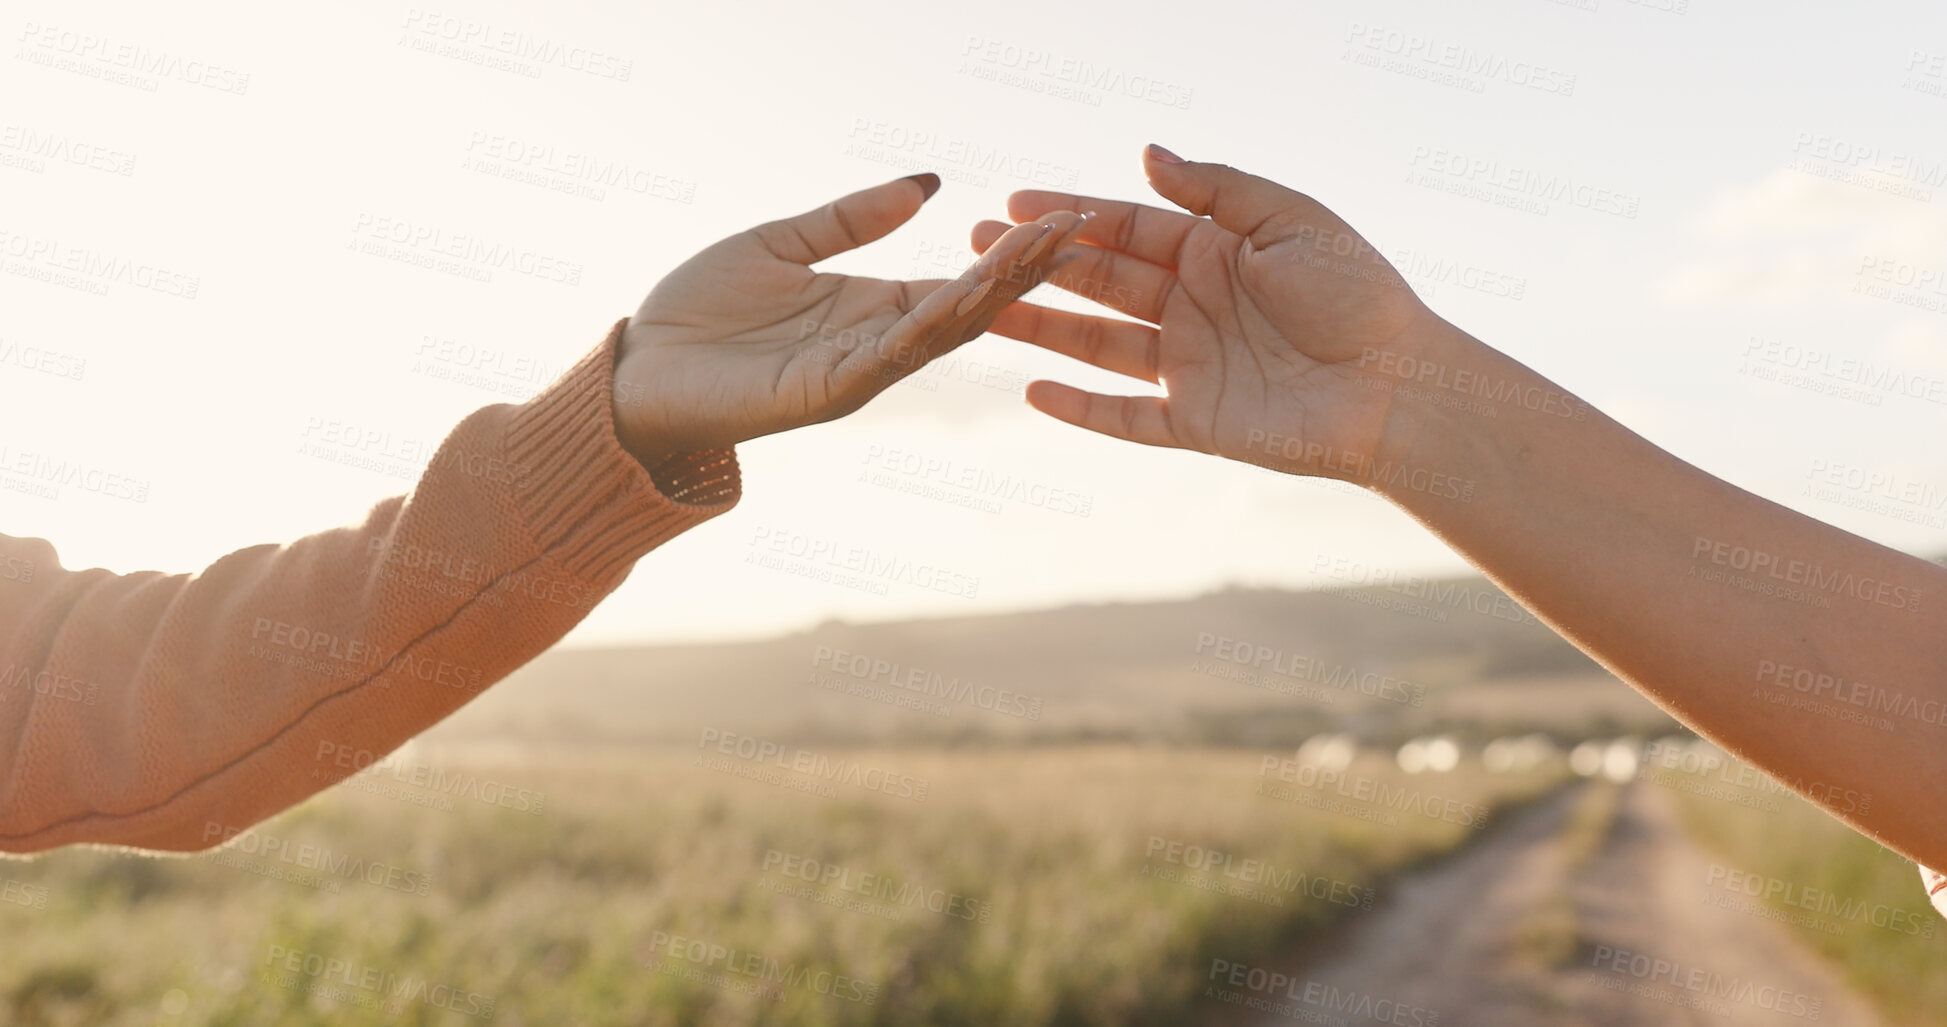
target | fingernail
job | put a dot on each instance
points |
(1040, 246)
(929, 183)
(1157, 153)
(972, 299)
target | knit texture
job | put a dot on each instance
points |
(171, 711)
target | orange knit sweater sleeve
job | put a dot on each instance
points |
(170, 711)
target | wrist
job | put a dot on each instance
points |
(649, 446)
(1448, 393)
(670, 456)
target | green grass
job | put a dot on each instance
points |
(1550, 936)
(1896, 961)
(553, 917)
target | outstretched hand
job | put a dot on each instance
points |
(1274, 328)
(745, 339)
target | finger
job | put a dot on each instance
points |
(942, 315)
(1144, 419)
(1151, 233)
(848, 222)
(1257, 208)
(1123, 347)
(1117, 281)
(1014, 276)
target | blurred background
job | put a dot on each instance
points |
(1113, 735)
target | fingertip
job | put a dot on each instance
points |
(1154, 154)
(988, 232)
(1028, 204)
(928, 182)
(1061, 402)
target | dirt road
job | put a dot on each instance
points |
(1460, 943)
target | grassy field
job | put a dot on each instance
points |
(1787, 860)
(1030, 886)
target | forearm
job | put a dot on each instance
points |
(1727, 609)
(171, 711)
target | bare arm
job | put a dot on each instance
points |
(1284, 339)
(1808, 651)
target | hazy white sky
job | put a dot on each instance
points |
(1743, 256)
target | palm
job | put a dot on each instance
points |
(1236, 377)
(759, 339)
(1265, 341)
(745, 339)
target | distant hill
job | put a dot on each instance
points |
(1348, 659)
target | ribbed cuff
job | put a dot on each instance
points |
(590, 503)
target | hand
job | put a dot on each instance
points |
(744, 339)
(1277, 334)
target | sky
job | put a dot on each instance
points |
(1744, 259)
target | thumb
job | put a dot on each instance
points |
(1241, 202)
(848, 222)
